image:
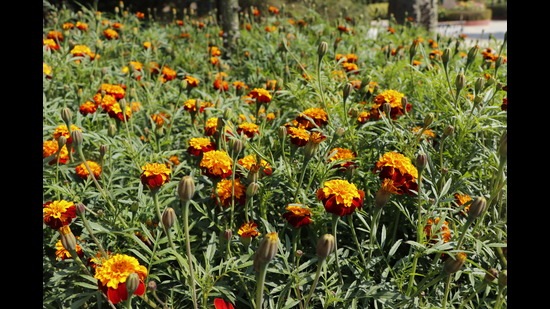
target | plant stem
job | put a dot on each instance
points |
(447, 288)
(260, 285)
(189, 254)
(315, 281)
(334, 226)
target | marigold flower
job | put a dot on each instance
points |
(88, 107)
(220, 84)
(224, 189)
(154, 175)
(392, 97)
(427, 133)
(343, 154)
(192, 82)
(81, 26)
(82, 51)
(113, 272)
(350, 67)
(273, 10)
(249, 230)
(167, 74)
(397, 167)
(62, 130)
(444, 232)
(50, 147)
(58, 213)
(261, 95)
(215, 51)
(61, 253)
(117, 91)
(340, 197)
(298, 136)
(110, 34)
(160, 118)
(82, 171)
(211, 126)
(462, 199)
(47, 70)
(343, 29)
(249, 162)
(318, 115)
(216, 164)
(220, 303)
(115, 112)
(249, 129)
(55, 35)
(383, 194)
(452, 265)
(50, 44)
(200, 145)
(297, 215)
(140, 15)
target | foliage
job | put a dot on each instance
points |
(382, 255)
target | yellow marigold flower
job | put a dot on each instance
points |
(339, 74)
(82, 26)
(154, 175)
(215, 51)
(106, 102)
(192, 82)
(249, 129)
(249, 162)
(113, 272)
(200, 145)
(88, 107)
(428, 133)
(55, 35)
(46, 70)
(318, 115)
(350, 67)
(224, 190)
(67, 26)
(82, 51)
(211, 126)
(239, 85)
(117, 91)
(249, 230)
(261, 95)
(216, 164)
(50, 147)
(397, 167)
(62, 254)
(51, 44)
(270, 116)
(297, 215)
(62, 130)
(58, 213)
(463, 199)
(115, 112)
(298, 135)
(343, 154)
(135, 106)
(110, 34)
(444, 231)
(340, 197)
(167, 74)
(82, 171)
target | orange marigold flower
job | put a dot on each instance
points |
(343, 29)
(432, 235)
(174, 160)
(50, 147)
(211, 126)
(350, 67)
(58, 213)
(297, 215)
(115, 112)
(214, 51)
(200, 145)
(82, 51)
(249, 162)
(154, 175)
(167, 74)
(270, 28)
(55, 35)
(397, 167)
(343, 155)
(392, 97)
(298, 135)
(110, 34)
(82, 171)
(273, 9)
(255, 12)
(62, 130)
(135, 106)
(312, 117)
(249, 230)
(117, 25)
(117, 91)
(391, 30)
(239, 85)
(363, 117)
(220, 303)
(88, 107)
(112, 274)
(427, 133)
(340, 197)
(106, 102)
(261, 95)
(67, 26)
(140, 15)
(224, 189)
(191, 81)
(82, 26)
(160, 118)
(51, 44)
(220, 84)
(249, 129)
(62, 254)
(216, 164)
(462, 199)
(435, 54)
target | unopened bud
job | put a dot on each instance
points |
(449, 130)
(503, 146)
(168, 217)
(228, 234)
(386, 107)
(281, 131)
(322, 49)
(478, 85)
(325, 245)
(266, 250)
(340, 131)
(76, 136)
(353, 112)
(61, 141)
(404, 103)
(460, 81)
(347, 90)
(453, 264)
(421, 161)
(503, 278)
(428, 119)
(186, 188)
(67, 115)
(252, 189)
(111, 130)
(236, 145)
(381, 197)
(299, 253)
(80, 209)
(490, 275)
(103, 149)
(152, 285)
(446, 56)
(477, 207)
(472, 55)
(67, 238)
(132, 283)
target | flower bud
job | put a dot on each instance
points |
(428, 119)
(103, 149)
(152, 285)
(325, 245)
(477, 207)
(471, 55)
(252, 189)
(503, 146)
(490, 275)
(421, 161)
(266, 250)
(281, 131)
(353, 112)
(503, 278)
(132, 283)
(449, 130)
(340, 131)
(446, 56)
(347, 90)
(67, 238)
(236, 145)
(460, 81)
(61, 141)
(80, 209)
(381, 197)
(66, 115)
(478, 85)
(76, 136)
(111, 130)
(299, 253)
(186, 188)
(404, 103)
(168, 217)
(322, 49)
(386, 107)
(228, 234)
(453, 264)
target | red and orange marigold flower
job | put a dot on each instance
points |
(112, 274)
(394, 98)
(462, 199)
(200, 145)
(82, 171)
(62, 254)
(154, 175)
(249, 129)
(50, 147)
(345, 156)
(395, 166)
(312, 117)
(110, 34)
(249, 163)
(298, 136)
(249, 230)
(58, 213)
(224, 189)
(297, 215)
(62, 130)
(216, 164)
(433, 235)
(261, 95)
(340, 197)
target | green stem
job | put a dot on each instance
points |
(304, 167)
(354, 234)
(260, 285)
(315, 281)
(91, 232)
(189, 254)
(334, 226)
(447, 289)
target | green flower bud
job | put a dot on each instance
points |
(446, 56)
(66, 115)
(478, 86)
(168, 217)
(449, 130)
(266, 250)
(186, 188)
(381, 197)
(453, 264)
(421, 161)
(471, 55)
(404, 103)
(281, 131)
(347, 90)
(340, 131)
(80, 209)
(325, 245)
(228, 234)
(132, 283)
(236, 145)
(61, 141)
(111, 130)
(152, 285)
(103, 149)
(76, 136)
(428, 119)
(322, 49)
(460, 81)
(67, 239)
(477, 207)
(490, 275)
(386, 107)
(252, 189)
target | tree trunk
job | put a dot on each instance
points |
(230, 25)
(423, 12)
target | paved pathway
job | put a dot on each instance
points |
(495, 28)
